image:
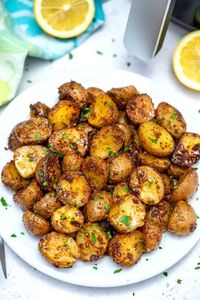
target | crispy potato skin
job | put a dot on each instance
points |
(171, 119)
(187, 151)
(48, 172)
(152, 234)
(67, 219)
(121, 168)
(11, 178)
(93, 93)
(96, 172)
(127, 214)
(160, 164)
(121, 190)
(121, 96)
(27, 196)
(159, 214)
(73, 91)
(13, 142)
(126, 249)
(186, 187)
(98, 206)
(64, 114)
(147, 184)
(59, 249)
(122, 117)
(71, 162)
(73, 189)
(155, 139)
(92, 241)
(140, 109)
(127, 133)
(46, 205)
(34, 224)
(168, 185)
(39, 109)
(176, 171)
(183, 219)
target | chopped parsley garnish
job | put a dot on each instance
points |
(143, 251)
(65, 136)
(53, 177)
(161, 120)
(22, 233)
(154, 141)
(173, 116)
(49, 145)
(114, 55)
(150, 180)
(13, 235)
(45, 183)
(179, 281)
(126, 189)
(106, 207)
(72, 145)
(40, 173)
(109, 235)
(38, 136)
(146, 259)
(110, 152)
(71, 55)
(63, 217)
(93, 237)
(29, 81)
(199, 111)
(117, 271)
(165, 274)
(99, 52)
(3, 202)
(31, 159)
(95, 267)
(83, 230)
(125, 220)
(126, 148)
(55, 186)
(128, 64)
(160, 247)
(197, 268)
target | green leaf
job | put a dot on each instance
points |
(179, 281)
(126, 148)
(154, 141)
(126, 189)
(106, 207)
(71, 55)
(13, 235)
(38, 136)
(173, 116)
(109, 235)
(125, 220)
(93, 237)
(165, 274)
(117, 271)
(3, 202)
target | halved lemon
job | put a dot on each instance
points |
(186, 60)
(64, 18)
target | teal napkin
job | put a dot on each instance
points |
(20, 36)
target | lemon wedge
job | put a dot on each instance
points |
(186, 60)
(64, 18)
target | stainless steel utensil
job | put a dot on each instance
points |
(3, 257)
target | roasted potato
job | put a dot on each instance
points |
(171, 119)
(186, 186)
(59, 249)
(122, 117)
(67, 219)
(183, 219)
(140, 109)
(39, 109)
(152, 234)
(159, 214)
(73, 189)
(73, 91)
(92, 241)
(48, 172)
(155, 139)
(176, 171)
(96, 172)
(127, 214)
(187, 151)
(168, 185)
(71, 162)
(127, 133)
(27, 196)
(98, 206)
(35, 131)
(160, 164)
(93, 93)
(106, 142)
(121, 96)
(120, 191)
(35, 224)
(27, 157)
(147, 184)
(11, 178)
(64, 114)
(121, 168)
(13, 142)
(127, 249)
(46, 205)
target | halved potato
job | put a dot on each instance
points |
(127, 133)
(64, 114)
(140, 109)
(59, 249)
(46, 205)
(152, 234)
(39, 109)
(146, 183)
(13, 142)
(187, 151)
(160, 164)
(73, 189)
(121, 168)
(35, 224)
(27, 157)
(121, 96)
(171, 119)
(120, 191)
(106, 142)
(155, 139)
(93, 93)
(159, 214)
(71, 162)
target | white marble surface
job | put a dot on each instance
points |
(26, 283)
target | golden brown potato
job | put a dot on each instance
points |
(122, 117)
(92, 241)
(160, 164)
(34, 131)
(34, 224)
(46, 205)
(11, 178)
(171, 119)
(183, 219)
(176, 171)
(186, 186)
(127, 133)
(71, 162)
(39, 109)
(152, 234)
(96, 172)
(93, 93)
(27, 196)
(106, 142)
(121, 96)
(120, 191)
(187, 151)
(168, 185)
(73, 189)
(73, 91)
(121, 168)
(155, 139)
(159, 214)
(103, 112)
(48, 172)
(59, 249)
(98, 206)
(140, 109)
(126, 249)
(147, 184)
(127, 214)
(13, 142)
(27, 157)
(67, 219)
(64, 114)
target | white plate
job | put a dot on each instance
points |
(173, 247)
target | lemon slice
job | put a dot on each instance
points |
(64, 18)
(186, 60)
